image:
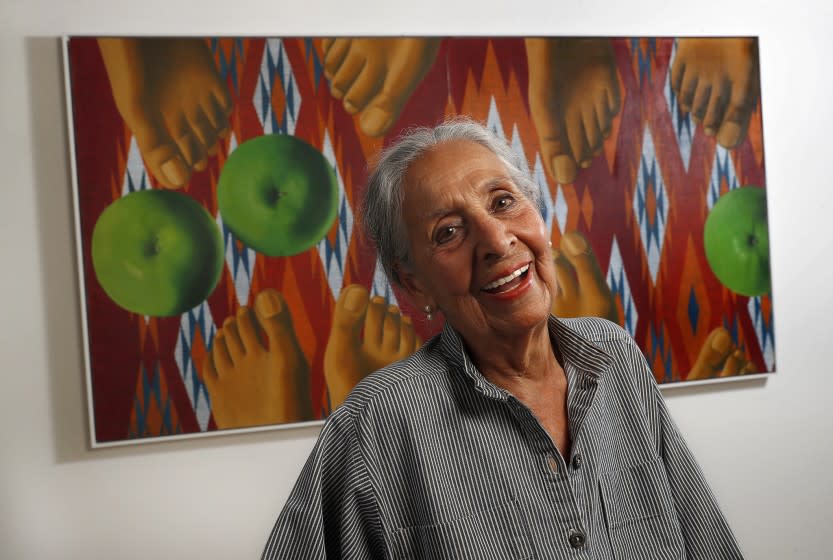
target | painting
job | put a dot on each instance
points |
(225, 279)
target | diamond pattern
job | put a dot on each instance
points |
(621, 290)
(683, 125)
(153, 413)
(381, 286)
(561, 208)
(644, 52)
(333, 253)
(135, 175)
(277, 99)
(723, 178)
(659, 354)
(229, 56)
(761, 315)
(240, 259)
(196, 332)
(650, 205)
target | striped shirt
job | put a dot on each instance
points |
(428, 459)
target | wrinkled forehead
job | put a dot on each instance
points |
(450, 165)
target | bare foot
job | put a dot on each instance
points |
(169, 93)
(582, 290)
(717, 80)
(375, 77)
(252, 383)
(388, 336)
(719, 357)
(573, 98)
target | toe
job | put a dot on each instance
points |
(350, 312)
(578, 138)
(335, 54)
(275, 319)
(364, 88)
(234, 345)
(346, 74)
(376, 120)
(715, 112)
(567, 289)
(374, 321)
(221, 356)
(700, 102)
(687, 90)
(390, 331)
(564, 169)
(407, 337)
(247, 330)
(161, 154)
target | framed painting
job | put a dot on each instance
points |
(225, 280)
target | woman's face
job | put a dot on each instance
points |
(479, 247)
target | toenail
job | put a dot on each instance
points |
(349, 107)
(575, 244)
(721, 342)
(174, 172)
(268, 305)
(354, 300)
(709, 131)
(376, 120)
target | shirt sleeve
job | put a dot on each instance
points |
(705, 530)
(331, 512)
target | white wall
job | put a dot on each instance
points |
(765, 446)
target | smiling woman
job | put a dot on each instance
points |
(512, 434)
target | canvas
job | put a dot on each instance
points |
(225, 279)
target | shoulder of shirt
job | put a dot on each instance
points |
(596, 329)
(425, 363)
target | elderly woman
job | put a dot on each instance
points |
(512, 434)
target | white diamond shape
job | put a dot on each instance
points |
(135, 174)
(723, 168)
(334, 257)
(618, 282)
(197, 318)
(381, 286)
(275, 64)
(682, 123)
(766, 339)
(649, 177)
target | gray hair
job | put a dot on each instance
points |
(382, 208)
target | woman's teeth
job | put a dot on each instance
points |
(501, 281)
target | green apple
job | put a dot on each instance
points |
(736, 239)
(157, 252)
(278, 195)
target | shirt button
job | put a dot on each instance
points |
(577, 460)
(552, 462)
(576, 538)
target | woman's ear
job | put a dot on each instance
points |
(413, 287)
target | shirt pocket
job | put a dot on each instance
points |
(640, 514)
(499, 533)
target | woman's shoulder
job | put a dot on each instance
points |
(596, 329)
(409, 380)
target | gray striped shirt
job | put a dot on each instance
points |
(428, 459)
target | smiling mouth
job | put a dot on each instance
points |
(508, 282)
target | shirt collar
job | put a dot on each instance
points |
(575, 349)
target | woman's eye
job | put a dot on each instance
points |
(504, 202)
(445, 234)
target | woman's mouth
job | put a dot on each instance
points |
(508, 282)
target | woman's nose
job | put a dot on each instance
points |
(494, 237)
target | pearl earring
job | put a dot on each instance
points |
(428, 314)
